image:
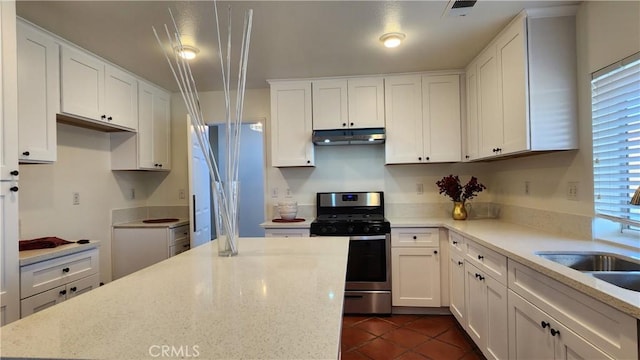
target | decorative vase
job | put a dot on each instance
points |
(226, 218)
(459, 211)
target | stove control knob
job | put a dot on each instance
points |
(350, 229)
(376, 229)
(323, 229)
(365, 229)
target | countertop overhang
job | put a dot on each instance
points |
(279, 298)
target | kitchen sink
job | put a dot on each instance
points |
(592, 261)
(627, 280)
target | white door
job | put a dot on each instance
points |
(199, 190)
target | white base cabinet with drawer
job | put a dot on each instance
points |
(415, 267)
(135, 248)
(46, 283)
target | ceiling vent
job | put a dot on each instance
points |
(457, 8)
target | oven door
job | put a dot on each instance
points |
(368, 264)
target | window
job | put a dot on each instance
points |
(616, 141)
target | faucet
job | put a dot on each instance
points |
(635, 199)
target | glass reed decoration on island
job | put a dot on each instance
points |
(450, 186)
(227, 222)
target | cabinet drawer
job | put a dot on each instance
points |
(456, 243)
(45, 275)
(608, 329)
(178, 234)
(42, 301)
(415, 237)
(179, 247)
(286, 233)
(82, 286)
(489, 261)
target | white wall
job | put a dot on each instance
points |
(83, 166)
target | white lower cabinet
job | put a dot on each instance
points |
(534, 334)
(46, 283)
(415, 267)
(57, 295)
(286, 232)
(135, 248)
(486, 323)
(456, 287)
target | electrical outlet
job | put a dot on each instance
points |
(181, 194)
(76, 198)
(419, 188)
(274, 192)
(132, 193)
(527, 187)
(572, 190)
(288, 192)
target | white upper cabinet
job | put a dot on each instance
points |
(472, 126)
(366, 102)
(422, 118)
(523, 87)
(291, 124)
(150, 147)
(38, 94)
(330, 109)
(121, 97)
(348, 103)
(403, 110)
(96, 91)
(441, 118)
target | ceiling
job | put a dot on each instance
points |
(290, 39)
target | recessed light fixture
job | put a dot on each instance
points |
(393, 39)
(187, 52)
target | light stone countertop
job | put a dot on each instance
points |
(520, 243)
(28, 257)
(280, 298)
(140, 224)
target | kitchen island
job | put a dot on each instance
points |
(279, 298)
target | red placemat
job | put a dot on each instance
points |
(287, 221)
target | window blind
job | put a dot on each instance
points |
(616, 140)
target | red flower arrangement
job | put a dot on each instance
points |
(450, 186)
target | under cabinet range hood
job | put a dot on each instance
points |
(349, 137)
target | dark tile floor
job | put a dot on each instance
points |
(406, 337)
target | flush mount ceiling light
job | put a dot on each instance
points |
(187, 52)
(393, 39)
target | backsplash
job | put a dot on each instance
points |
(578, 226)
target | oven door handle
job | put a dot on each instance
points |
(368, 237)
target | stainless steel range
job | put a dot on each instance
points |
(360, 215)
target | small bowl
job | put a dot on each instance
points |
(288, 215)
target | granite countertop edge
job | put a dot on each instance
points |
(140, 224)
(28, 257)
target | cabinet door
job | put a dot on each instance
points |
(528, 339)
(42, 301)
(403, 112)
(82, 286)
(8, 93)
(330, 104)
(456, 287)
(291, 124)
(415, 277)
(145, 126)
(82, 84)
(9, 271)
(476, 304)
(441, 118)
(121, 98)
(162, 130)
(511, 51)
(38, 94)
(496, 331)
(569, 346)
(489, 115)
(472, 130)
(366, 103)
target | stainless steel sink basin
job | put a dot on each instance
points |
(626, 280)
(592, 261)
